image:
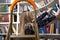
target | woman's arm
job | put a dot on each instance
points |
(44, 14)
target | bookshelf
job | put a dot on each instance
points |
(51, 4)
(53, 36)
(7, 12)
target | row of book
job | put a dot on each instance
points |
(5, 8)
(42, 3)
(4, 28)
(47, 29)
(5, 18)
(53, 28)
(6, 1)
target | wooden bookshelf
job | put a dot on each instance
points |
(49, 36)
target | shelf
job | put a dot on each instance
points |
(7, 13)
(3, 34)
(15, 22)
(49, 35)
(4, 22)
(22, 36)
(6, 3)
(8, 22)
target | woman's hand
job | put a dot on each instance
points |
(49, 10)
(58, 12)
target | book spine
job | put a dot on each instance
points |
(13, 28)
(0, 37)
(15, 18)
(46, 2)
(59, 27)
(5, 18)
(42, 30)
(0, 18)
(6, 29)
(47, 29)
(52, 28)
(56, 27)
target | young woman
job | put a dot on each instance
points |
(42, 22)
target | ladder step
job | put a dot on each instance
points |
(22, 36)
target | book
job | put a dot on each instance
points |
(0, 37)
(58, 27)
(30, 8)
(2, 1)
(52, 28)
(3, 8)
(6, 28)
(46, 2)
(5, 18)
(0, 18)
(2, 29)
(8, 1)
(15, 8)
(14, 18)
(21, 9)
(14, 29)
(47, 29)
(42, 30)
(42, 3)
(38, 5)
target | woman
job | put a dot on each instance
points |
(42, 22)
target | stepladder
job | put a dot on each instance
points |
(23, 20)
